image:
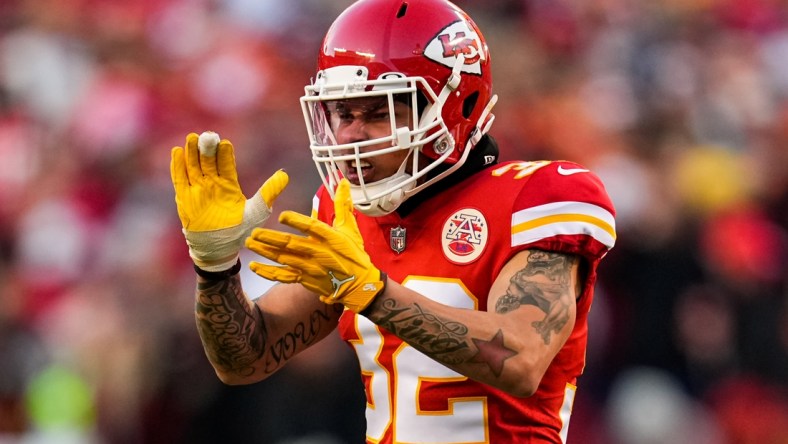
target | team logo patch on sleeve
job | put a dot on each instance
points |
(464, 236)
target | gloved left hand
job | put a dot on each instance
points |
(215, 214)
(329, 261)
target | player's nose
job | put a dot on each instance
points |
(354, 131)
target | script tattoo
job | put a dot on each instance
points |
(232, 330)
(447, 342)
(544, 283)
(304, 333)
(234, 333)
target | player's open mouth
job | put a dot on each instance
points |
(351, 172)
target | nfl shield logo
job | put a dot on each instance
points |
(397, 239)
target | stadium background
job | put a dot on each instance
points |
(679, 105)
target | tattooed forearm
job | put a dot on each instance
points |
(492, 353)
(445, 341)
(234, 333)
(232, 329)
(545, 283)
(448, 342)
(303, 334)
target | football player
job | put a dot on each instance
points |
(463, 284)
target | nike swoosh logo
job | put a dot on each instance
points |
(569, 171)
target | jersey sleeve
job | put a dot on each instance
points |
(323, 206)
(564, 207)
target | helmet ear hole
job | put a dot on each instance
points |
(469, 104)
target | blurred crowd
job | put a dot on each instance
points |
(681, 107)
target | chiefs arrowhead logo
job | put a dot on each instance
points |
(457, 39)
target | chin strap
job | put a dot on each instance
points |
(387, 203)
(482, 130)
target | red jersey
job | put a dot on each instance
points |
(451, 248)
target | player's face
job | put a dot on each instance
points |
(362, 119)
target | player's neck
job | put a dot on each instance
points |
(484, 154)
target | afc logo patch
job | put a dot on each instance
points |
(464, 236)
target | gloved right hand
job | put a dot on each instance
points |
(215, 215)
(329, 261)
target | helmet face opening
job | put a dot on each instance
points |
(408, 81)
(351, 122)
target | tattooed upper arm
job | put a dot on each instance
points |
(547, 281)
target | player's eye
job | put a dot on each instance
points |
(345, 116)
(378, 115)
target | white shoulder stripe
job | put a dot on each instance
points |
(315, 206)
(568, 218)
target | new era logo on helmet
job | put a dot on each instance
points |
(457, 40)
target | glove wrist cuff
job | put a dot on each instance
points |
(219, 275)
(363, 304)
(215, 265)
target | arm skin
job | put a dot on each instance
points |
(508, 347)
(532, 309)
(247, 341)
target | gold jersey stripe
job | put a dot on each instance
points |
(567, 218)
(558, 218)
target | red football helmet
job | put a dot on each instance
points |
(428, 54)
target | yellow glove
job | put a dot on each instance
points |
(215, 215)
(331, 261)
